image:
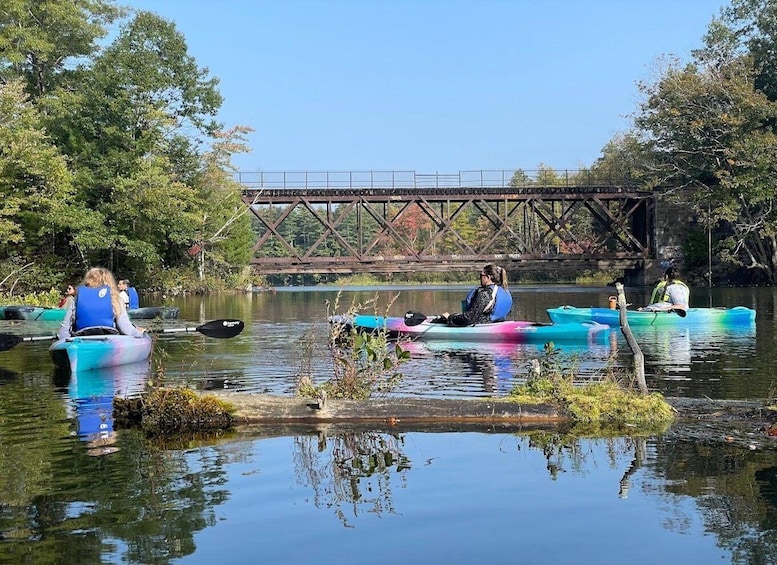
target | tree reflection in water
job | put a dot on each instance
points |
(357, 473)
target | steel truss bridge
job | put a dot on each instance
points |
(401, 221)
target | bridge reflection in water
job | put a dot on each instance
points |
(401, 221)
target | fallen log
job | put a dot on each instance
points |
(747, 424)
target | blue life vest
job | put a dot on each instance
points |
(503, 303)
(93, 308)
(134, 302)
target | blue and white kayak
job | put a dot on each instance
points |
(86, 353)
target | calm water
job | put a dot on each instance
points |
(74, 491)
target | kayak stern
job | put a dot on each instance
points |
(86, 353)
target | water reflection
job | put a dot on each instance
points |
(90, 397)
(500, 366)
(713, 503)
(357, 475)
(287, 497)
(268, 355)
(674, 356)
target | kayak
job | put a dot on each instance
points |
(23, 312)
(721, 317)
(488, 350)
(86, 353)
(151, 312)
(40, 314)
(507, 332)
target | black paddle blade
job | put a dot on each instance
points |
(680, 312)
(414, 318)
(221, 329)
(8, 341)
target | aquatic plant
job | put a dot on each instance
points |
(363, 364)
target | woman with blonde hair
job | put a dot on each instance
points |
(97, 307)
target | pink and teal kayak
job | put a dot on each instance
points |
(507, 332)
(86, 353)
(709, 317)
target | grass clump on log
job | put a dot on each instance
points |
(364, 364)
(167, 411)
(610, 401)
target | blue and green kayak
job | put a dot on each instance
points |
(40, 314)
(86, 353)
(720, 317)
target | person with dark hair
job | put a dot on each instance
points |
(489, 302)
(70, 291)
(669, 294)
(128, 294)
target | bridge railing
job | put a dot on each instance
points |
(484, 178)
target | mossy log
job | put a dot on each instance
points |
(253, 409)
(746, 424)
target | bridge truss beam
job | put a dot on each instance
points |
(407, 230)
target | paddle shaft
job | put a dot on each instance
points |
(221, 329)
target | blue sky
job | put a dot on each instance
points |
(431, 85)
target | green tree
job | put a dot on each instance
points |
(746, 27)
(35, 184)
(710, 132)
(38, 38)
(224, 229)
(131, 126)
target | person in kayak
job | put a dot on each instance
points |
(70, 291)
(97, 307)
(670, 293)
(489, 302)
(128, 294)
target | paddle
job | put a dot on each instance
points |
(221, 329)
(414, 318)
(679, 311)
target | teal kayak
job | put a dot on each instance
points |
(40, 314)
(507, 332)
(720, 317)
(23, 312)
(86, 353)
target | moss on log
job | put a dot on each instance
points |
(255, 409)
